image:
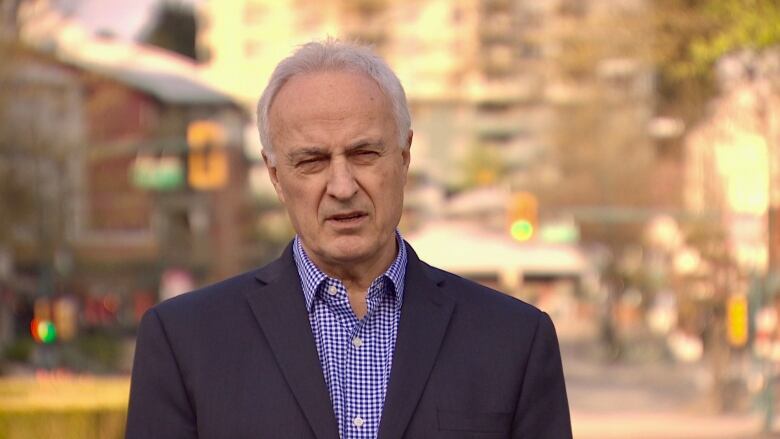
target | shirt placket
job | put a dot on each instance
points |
(357, 385)
(346, 329)
(362, 373)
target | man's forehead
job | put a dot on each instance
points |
(331, 86)
(327, 96)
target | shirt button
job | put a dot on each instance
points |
(333, 290)
(358, 421)
(357, 342)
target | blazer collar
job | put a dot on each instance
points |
(280, 309)
(425, 315)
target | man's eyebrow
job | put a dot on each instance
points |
(306, 152)
(362, 143)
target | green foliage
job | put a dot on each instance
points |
(20, 350)
(102, 350)
(742, 24)
(174, 28)
(689, 36)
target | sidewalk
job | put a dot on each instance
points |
(664, 425)
(651, 399)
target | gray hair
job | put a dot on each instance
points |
(332, 55)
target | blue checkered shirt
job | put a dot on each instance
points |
(355, 355)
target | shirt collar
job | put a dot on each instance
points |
(312, 277)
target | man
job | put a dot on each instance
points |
(348, 334)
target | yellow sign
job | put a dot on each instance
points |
(204, 133)
(737, 320)
(207, 162)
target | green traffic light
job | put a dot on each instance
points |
(47, 332)
(522, 230)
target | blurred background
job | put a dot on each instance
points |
(615, 162)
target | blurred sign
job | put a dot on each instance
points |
(157, 173)
(559, 233)
(207, 163)
(737, 320)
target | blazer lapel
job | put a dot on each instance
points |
(425, 315)
(280, 310)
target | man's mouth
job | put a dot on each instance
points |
(347, 217)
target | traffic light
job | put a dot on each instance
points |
(42, 328)
(207, 161)
(522, 216)
(43, 331)
(737, 320)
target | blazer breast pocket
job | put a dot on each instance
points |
(463, 421)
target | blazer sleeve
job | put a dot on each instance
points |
(159, 405)
(543, 409)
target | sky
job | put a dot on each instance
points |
(123, 18)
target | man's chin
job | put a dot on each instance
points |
(348, 249)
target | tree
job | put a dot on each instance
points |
(690, 36)
(174, 27)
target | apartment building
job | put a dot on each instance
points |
(490, 82)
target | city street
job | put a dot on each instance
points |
(650, 399)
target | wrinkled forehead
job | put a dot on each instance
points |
(327, 94)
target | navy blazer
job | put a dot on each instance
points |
(238, 360)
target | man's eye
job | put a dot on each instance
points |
(310, 164)
(365, 155)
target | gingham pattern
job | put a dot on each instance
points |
(356, 372)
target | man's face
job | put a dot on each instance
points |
(339, 170)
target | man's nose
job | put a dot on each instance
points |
(341, 181)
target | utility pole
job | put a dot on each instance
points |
(768, 118)
(767, 115)
(773, 209)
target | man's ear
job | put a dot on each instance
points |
(271, 165)
(406, 152)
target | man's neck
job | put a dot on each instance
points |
(356, 275)
(359, 275)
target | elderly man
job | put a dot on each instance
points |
(348, 334)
